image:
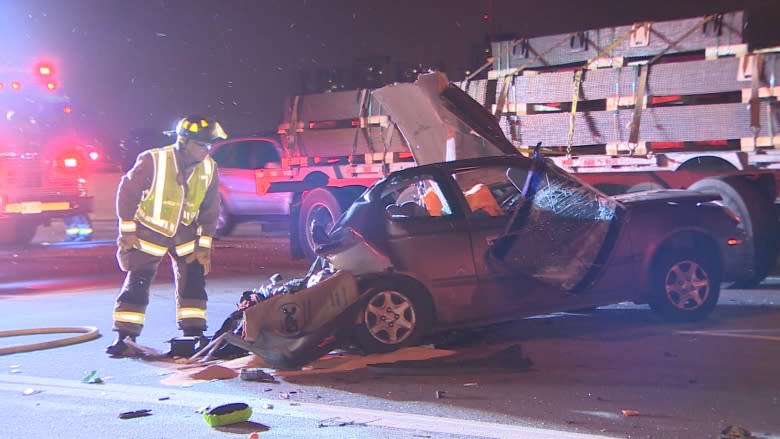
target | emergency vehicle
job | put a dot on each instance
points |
(43, 160)
(704, 119)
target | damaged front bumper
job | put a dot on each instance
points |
(294, 329)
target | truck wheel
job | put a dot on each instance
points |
(225, 223)
(319, 206)
(686, 285)
(757, 219)
(395, 315)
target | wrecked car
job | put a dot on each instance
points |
(491, 236)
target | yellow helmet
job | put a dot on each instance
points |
(201, 129)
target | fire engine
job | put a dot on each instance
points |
(43, 161)
(677, 104)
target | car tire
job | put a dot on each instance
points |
(396, 314)
(686, 285)
(319, 205)
(758, 219)
(225, 222)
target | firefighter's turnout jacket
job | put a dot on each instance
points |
(171, 210)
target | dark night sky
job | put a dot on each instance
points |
(131, 64)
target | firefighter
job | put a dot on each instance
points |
(167, 203)
(77, 228)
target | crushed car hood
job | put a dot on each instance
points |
(440, 122)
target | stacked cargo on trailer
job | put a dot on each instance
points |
(676, 104)
(335, 145)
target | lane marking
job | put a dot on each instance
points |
(195, 399)
(738, 333)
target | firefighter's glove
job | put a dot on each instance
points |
(203, 256)
(127, 241)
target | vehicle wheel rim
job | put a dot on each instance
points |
(687, 285)
(390, 317)
(320, 214)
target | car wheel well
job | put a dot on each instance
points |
(688, 241)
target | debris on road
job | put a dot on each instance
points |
(135, 414)
(256, 374)
(31, 391)
(92, 378)
(214, 372)
(735, 432)
(338, 422)
(629, 412)
(227, 414)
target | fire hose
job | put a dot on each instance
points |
(87, 333)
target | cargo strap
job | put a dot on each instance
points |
(755, 102)
(363, 106)
(639, 98)
(292, 130)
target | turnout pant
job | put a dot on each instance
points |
(141, 267)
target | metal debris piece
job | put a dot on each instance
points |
(337, 422)
(135, 414)
(630, 412)
(92, 378)
(256, 374)
(440, 394)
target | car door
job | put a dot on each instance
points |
(428, 238)
(489, 199)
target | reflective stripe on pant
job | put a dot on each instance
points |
(191, 295)
(130, 308)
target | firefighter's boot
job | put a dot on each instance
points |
(119, 348)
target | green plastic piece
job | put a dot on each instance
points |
(228, 414)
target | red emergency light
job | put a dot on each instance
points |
(45, 70)
(51, 85)
(16, 85)
(67, 109)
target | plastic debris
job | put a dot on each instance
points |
(92, 378)
(31, 391)
(227, 414)
(629, 412)
(135, 414)
(268, 406)
(440, 394)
